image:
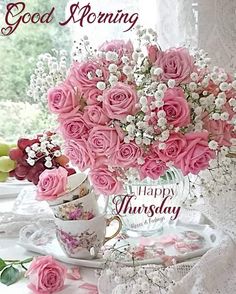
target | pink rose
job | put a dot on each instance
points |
(62, 99)
(84, 76)
(175, 145)
(94, 115)
(92, 95)
(73, 126)
(153, 52)
(120, 47)
(105, 181)
(196, 155)
(152, 168)
(119, 101)
(176, 64)
(52, 183)
(79, 154)
(220, 131)
(176, 108)
(103, 140)
(46, 275)
(126, 155)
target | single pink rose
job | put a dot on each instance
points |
(119, 101)
(176, 108)
(196, 155)
(126, 155)
(91, 96)
(103, 140)
(105, 181)
(94, 115)
(73, 126)
(220, 131)
(152, 168)
(46, 275)
(79, 154)
(153, 52)
(176, 64)
(175, 145)
(83, 75)
(120, 47)
(63, 99)
(52, 183)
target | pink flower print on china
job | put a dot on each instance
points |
(46, 275)
(63, 99)
(73, 126)
(197, 154)
(120, 101)
(168, 240)
(52, 183)
(188, 246)
(70, 241)
(139, 252)
(160, 251)
(76, 214)
(191, 235)
(176, 108)
(176, 64)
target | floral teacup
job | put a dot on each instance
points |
(84, 238)
(78, 186)
(84, 208)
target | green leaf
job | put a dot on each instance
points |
(27, 260)
(9, 275)
(2, 264)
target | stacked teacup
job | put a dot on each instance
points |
(80, 227)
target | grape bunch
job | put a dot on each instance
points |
(6, 164)
(33, 156)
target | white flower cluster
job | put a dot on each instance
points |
(136, 279)
(209, 105)
(201, 57)
(51, 70)
(46, 149)
(216, 181)
(82, 49)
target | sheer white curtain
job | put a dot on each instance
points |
(207, 24)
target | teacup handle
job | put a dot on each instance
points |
(108, 222)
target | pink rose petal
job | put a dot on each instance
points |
(73, 274)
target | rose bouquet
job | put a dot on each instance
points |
(130, 110)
